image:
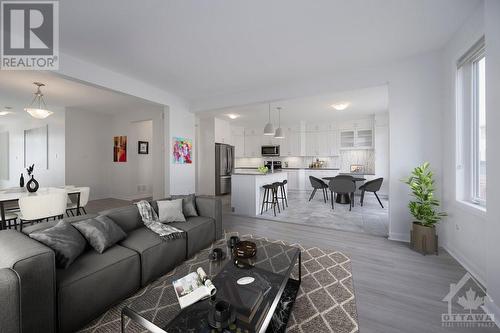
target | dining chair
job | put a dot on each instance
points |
(72, 207)
(342, 185)
(318, 184)
(43, 206)
(372, 186)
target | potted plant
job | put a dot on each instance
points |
(424, 210)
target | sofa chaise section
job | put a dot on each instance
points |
(34, 264)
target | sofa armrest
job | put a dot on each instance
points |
(10, 299)
(211, 207)
(34, 264)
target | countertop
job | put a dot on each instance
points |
(293, 168)
(255, 173)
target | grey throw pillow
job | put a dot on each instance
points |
(188, 204)
(101, 232)
(170, 211)
(65, 240)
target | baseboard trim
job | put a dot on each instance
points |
(469, 267)
(399, 237)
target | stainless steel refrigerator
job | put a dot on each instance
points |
(224, 165)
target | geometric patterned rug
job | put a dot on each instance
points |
(325, 302)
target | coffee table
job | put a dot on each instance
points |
(158, 311)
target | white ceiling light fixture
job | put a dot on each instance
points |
(341, 106)
(269, 128)
(233, 115)
(279, 134)
(38, 108)
(6, 111)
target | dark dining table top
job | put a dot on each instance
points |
(354, 178)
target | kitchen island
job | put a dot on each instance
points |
(247, 191)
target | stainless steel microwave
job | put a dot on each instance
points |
(270, 151)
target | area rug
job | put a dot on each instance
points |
(325, 301)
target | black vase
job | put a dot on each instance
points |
(21, 181)
(32, 185)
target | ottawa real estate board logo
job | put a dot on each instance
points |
(467, 305)
(29, 35)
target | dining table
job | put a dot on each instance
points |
(12, 196)
(344, 198)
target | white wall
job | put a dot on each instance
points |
(55, 174)
(178, 119)
(492, 28)
(143, 131)
(463, 231)
(90, 157)
(206, 156)
(88, 151)
(415, 106)
(382, 154)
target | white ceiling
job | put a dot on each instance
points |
(205, 48)
(16, 90)
(314, 109)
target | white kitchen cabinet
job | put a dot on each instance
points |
(239, 145)
(321, 143)
(222, 131)
(290, 145)
(312, 144)
(356, 138)
(293, 179)
(252, 143)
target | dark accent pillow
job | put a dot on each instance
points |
(65, 240)
(188, 204)
(101, 232)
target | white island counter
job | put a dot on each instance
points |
(247, 191)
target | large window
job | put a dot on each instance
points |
(471, 126)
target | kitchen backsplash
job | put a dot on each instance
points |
(363, 157)
(366, 158)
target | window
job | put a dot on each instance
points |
(471, 126)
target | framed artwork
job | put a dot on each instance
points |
(143, 147)
(182, 150)
(120, 149)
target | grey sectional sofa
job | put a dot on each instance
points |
(35, 296)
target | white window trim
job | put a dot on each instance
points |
(466, 102)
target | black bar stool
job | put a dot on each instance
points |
(283, 198)
(270, 189)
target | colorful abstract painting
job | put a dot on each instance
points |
(182, 150)
(120, 149)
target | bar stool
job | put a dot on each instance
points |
(283, 198)
(11, 220)
(270, 189)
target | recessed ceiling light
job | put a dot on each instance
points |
(233, 115)
(341, 106)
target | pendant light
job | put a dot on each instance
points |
(269, 129)
(279, 131)
(38, 108)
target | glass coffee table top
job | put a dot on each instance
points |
(275, 268)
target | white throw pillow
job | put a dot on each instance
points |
(170, 211)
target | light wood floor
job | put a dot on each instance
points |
(397, 290)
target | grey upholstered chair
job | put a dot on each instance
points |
(318, 184)
(371, 186)
(342, 185)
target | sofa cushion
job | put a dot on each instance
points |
(200, 232)
(101, 232)
(128, 218)
(158, 256)
(64, 239)
(93, 283)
